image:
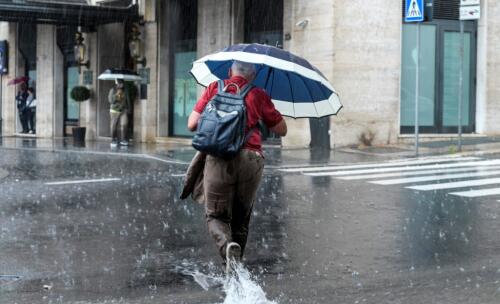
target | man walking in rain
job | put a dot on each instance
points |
(119, 111)
(230, 185)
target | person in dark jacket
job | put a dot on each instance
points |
(31, 112)
(21, 97)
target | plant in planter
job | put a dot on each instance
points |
(79, 94)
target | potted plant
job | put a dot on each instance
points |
(79, 94)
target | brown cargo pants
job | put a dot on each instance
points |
(230, 187)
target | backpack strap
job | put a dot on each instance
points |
(246, 89)
(220, 85)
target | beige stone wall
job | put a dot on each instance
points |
(8, 31)
(88, 109)
(49, 116)
(315, 43)
(145, 111)
(366, 69)
(214, 26)
(357, 47)
(492, 106)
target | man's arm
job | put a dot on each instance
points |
(280, 129)
(111, 96)
(193, 121)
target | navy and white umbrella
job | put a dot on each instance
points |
(297, 88)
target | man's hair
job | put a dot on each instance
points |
(244, 69)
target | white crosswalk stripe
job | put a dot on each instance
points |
(462, 184)
(378, 165)
(438, 174)
(419, 172)
(433, 178)
(407, 168)
(478, 193)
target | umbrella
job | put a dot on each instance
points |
(18, 80)
(297, 88)
(113, 74)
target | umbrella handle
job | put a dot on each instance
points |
(232, 84)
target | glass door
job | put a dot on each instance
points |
(183, 90)
(439, 77)
(450, 89)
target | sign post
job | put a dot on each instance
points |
(414, 12)
(469, 10)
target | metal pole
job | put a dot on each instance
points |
(417, 88)
(461, 86)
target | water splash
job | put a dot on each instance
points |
(239, 288)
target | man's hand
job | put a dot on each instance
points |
(280, 129)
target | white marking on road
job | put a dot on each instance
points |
(409, 180)
(408, 168)
(477, 193)
(412, 173)
(83, 181)
(178, 175)
(462, 184)
(379, 165)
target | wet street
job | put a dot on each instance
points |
(98, 228)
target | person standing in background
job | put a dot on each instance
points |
(31, 110)
(21, 97)
(119, 110)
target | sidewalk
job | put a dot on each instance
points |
(182, 153)
(432, 147)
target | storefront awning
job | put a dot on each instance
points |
(64, 13)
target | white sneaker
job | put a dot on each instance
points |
(113, 144)
(124, 143)
(233, 256)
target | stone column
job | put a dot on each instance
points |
(365, 56)
(50, 65)
(491, 124)
(482, 69)
(145, 110)
(8, 31)
(88, 109)
(214, 25)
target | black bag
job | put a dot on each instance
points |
(221, 128)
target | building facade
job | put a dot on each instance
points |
(365, 50)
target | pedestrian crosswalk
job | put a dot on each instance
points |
(458, 176)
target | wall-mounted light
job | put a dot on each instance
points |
(136, 45)
(80, 50)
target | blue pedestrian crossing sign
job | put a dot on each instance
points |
(414, 11)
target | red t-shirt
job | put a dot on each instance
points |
(259, 107)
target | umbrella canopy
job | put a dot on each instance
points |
(18, 80)
(297, 88)
(113, 74)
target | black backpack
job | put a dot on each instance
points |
(221, 128)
